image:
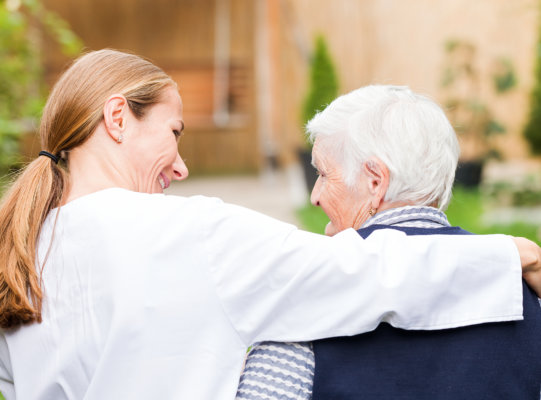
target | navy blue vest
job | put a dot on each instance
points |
(489, 361)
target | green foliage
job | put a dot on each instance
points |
(459, 67)
(519, 192)
(451, 44)
(323, 81)
(22, 90)
(466, 210)
(312, 218)
(504, 78)
(532, 131)
(19, 89)
(468, 112)
(71, 45)
(493, 127)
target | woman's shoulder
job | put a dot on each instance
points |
(117, 202)
(123, 213)
(130, 197)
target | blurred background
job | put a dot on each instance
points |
(252, 72)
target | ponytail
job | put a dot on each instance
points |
(23, 210)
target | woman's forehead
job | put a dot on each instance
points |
(170, 104)
(321, 153)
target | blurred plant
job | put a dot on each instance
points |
(323, 81)
(323, 89)
(504, 76)
(22, 91)
(459, 61)
(532, 131)
(468, 210)
(523, 192)
(469, 114)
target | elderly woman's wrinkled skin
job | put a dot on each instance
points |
(344, 206)
(348, 207)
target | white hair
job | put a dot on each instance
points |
(408, 132)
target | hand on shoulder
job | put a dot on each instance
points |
(530, 259)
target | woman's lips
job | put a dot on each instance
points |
(164, 182)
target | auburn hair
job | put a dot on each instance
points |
(72, 112)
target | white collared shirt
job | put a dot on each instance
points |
(154, 296)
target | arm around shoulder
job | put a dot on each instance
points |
(278, 283)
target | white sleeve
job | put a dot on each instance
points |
(279, 283)
(6, 377)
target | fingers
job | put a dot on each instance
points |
(530, 259)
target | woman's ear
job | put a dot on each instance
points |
(378, 180)
(115, 112)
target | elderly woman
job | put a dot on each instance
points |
(386, 158)
(111, 290)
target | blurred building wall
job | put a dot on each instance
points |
(261, 50)
(403, 43)
(206, 46)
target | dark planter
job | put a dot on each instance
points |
(310, 175)
(468, 173)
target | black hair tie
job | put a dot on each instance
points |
(51, 156)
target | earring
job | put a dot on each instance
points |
(120, 139)
(372, 212)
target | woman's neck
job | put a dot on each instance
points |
(95, 166)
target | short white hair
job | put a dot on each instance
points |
(408, 132)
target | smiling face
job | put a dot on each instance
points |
(346, 207)
(153, 145)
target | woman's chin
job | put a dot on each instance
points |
(157, 188)
(330, 230)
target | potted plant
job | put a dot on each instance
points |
(323, 88)
(470, 115)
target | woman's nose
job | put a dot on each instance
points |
(314, 196)
(180, 170)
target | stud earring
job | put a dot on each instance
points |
(120, 139)
(372, 212)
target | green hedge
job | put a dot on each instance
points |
(532, 131)
(323, 87)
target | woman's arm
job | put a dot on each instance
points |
(280, 283)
